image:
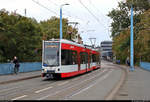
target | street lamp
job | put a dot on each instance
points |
(61, 19)
(131, 43)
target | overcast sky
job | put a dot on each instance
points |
(90, 14)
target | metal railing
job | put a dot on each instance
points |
(8, 68)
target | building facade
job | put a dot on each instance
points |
(106, 50)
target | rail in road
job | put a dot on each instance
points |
(70, 88)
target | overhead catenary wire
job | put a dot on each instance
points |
(99, 12)
(68, 16)
(91, 13)
(96, 8)
(53, 11)
(88, 10)
(53, 2)
(45, 7)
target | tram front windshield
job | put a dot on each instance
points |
(51, 54)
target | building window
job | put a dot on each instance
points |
(106, 42)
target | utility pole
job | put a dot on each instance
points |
(61, 34)
(15, 12)
(75, 24)
(25, 12)
(93, 43)
(131, 42)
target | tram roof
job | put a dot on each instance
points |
(72, 42)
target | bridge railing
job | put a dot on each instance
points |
(145, 65)
(8, 68)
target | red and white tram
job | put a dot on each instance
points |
(64, 58)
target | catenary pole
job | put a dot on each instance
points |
(61, 35)
(131, 43)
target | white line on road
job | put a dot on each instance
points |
(101, 79)
(62, 83)
(70, 87)
(43, 89)
(8, 89)
(19, 97)
(102, 71)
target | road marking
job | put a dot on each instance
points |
(19, 97)
(43, 89)
(62, 83)
(8, 89)
(70, 87)
(101, 71)
(101, 79)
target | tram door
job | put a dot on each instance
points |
(83, 60)
(90, 60)
(86, 61)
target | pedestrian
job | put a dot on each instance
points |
(128, 62)
(17, 65)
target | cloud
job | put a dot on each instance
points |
(74, 12)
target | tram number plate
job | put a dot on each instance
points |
(51, 71)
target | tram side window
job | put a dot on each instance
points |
(68, 57)
(74, 57)
(90, 57)
(93, 57)
(86, 57)
(98, 59)
(83, 57)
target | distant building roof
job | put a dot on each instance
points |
(106, 42)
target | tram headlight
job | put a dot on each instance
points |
(58, 69)
(44, 70)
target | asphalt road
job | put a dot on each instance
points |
(94, 85)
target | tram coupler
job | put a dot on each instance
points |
(49, 75)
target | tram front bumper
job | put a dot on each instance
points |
(47, 72)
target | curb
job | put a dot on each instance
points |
(21, 79)
(116, 88)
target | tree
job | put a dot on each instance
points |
(142, 42)
(121, 18)
(51, 28)
(29, 38)
(19, 36)
(139, 5)
(22, 36)
(121, 29)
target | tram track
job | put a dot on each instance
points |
(37, 89)
(28, 86)
(23, 86)
(73, 88)
(56, 88)
(87, 86)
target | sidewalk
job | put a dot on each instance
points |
(20, 76)
(136, 86)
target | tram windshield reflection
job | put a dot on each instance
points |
(51, 54)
